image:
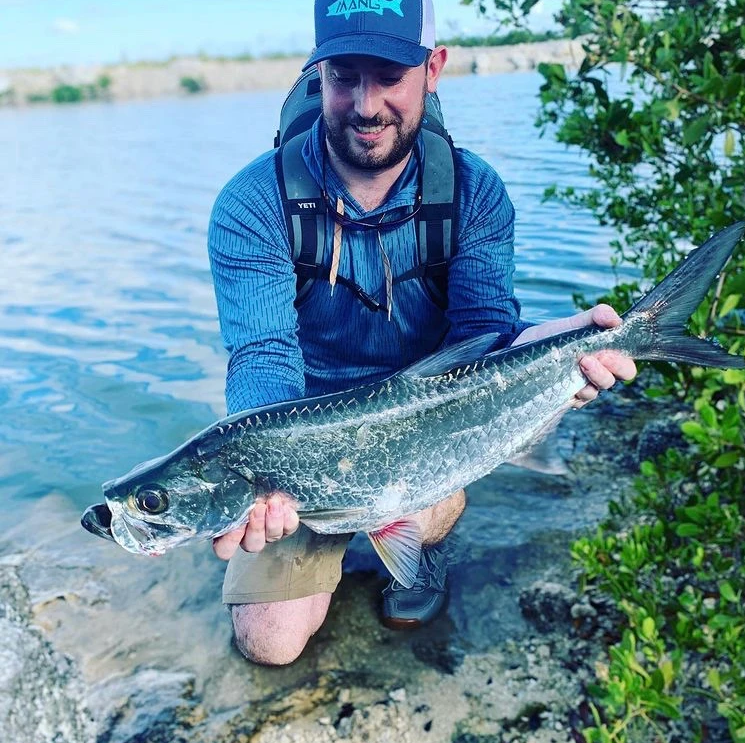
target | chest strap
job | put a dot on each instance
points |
(435, 224)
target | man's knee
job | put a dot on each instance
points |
(274, 634)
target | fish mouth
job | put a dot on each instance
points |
(97, 520)
(108, 520)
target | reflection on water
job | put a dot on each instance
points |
(109, 346)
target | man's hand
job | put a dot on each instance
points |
(270, 519)
(602, 369)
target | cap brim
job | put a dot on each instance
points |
(382, 47)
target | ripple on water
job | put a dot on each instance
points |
(109, 344)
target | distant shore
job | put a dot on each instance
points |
(193, 75)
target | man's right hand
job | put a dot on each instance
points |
(270, 519)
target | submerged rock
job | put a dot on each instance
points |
(100, 645)
(41, 692)
(548, 605)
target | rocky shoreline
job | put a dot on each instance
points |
(99, 645)
(187, 76)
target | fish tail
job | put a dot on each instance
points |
(666, 309)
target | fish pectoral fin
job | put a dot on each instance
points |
(399, 546)
(543, 456)
(330, 514)
(540, 460)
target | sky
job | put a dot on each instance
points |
(45, 33)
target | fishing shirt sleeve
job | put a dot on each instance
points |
(255, 289)
(481, 296)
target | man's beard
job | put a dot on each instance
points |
(363, 155)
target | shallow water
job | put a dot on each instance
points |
(109, 345)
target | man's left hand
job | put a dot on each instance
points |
(602, 369)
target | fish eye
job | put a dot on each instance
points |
(152, 499)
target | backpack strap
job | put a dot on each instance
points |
(435, 225)
(304, 210)
(436, 222)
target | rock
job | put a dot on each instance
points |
(153, 642)
(442, 654)
(547, 605)
(41, 692)
(657, 436)
(150, 705)
(397, 695)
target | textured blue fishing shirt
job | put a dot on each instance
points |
(280, 351)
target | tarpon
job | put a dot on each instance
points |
(368, 458)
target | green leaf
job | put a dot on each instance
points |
(733, 86)
(733, 376)
(729, 143)
(669, 708)
(727, 592)
(696, 129)
(723, 621)
(687, 530)
(708, 415)
(622, 138)
(648, 628)
(728, 459)
(695, 430)
(729, 304)
(552, 71)
(671, 109)
(668, 672)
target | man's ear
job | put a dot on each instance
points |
(437, 59)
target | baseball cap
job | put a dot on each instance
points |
(397, 30)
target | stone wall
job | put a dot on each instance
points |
(143, 80)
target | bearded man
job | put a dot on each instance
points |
(368, 312)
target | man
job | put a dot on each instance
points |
(376, 64)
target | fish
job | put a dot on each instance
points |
(348, 7)
(369, 458)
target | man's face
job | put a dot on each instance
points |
(372, 109)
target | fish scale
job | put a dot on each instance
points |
(368, 458)
(427, 439)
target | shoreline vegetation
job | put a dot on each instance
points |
(185, 76)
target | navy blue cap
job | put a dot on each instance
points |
(396, 30)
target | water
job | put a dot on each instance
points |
(109, 345)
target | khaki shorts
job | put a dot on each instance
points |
(300, 565)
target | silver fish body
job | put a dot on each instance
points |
(363, 459)
(368, 457)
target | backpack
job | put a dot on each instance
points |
(305, 211)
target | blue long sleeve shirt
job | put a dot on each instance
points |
(280, 351)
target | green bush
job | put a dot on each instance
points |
(658, 105)
(192, 85)
(74, 93)
(516, 36)
(67, 94)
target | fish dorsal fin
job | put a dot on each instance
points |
(452, 357)
(399, 546)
